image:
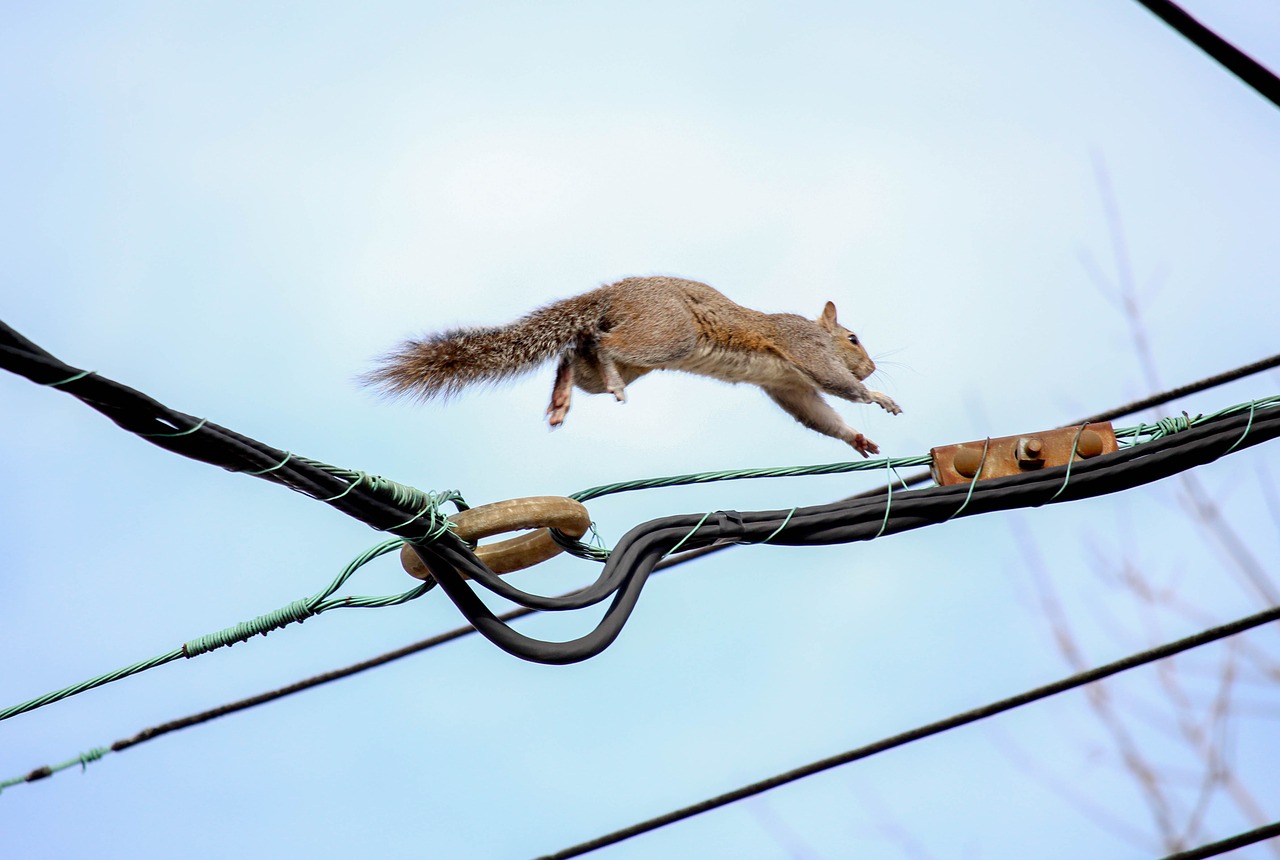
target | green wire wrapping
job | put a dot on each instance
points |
(1167, 426)
(597, 553)
(84, 760)
(297, 611)
(741, 474)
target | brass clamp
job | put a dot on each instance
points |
(532, 512)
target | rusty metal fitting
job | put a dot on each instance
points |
(1016, 455)
(533, 512)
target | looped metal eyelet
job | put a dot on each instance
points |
(532, 512)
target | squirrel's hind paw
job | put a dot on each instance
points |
(556, 413)
(559, 406)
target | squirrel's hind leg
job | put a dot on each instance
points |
(561, 392)
(613, 380)
(596, 374)
(807, 406)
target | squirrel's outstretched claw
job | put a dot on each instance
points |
(885, 402)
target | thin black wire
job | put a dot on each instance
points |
(223, 710)
(971, 716)
(1240, 64)
(1231, 843)
(1181, 391)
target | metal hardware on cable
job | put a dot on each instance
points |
(1015, 455)
(567, 516)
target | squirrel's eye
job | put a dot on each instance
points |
(853, 338)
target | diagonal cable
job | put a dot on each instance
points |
(1261, 79)
(965, 718)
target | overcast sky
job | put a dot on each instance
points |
(235, 207)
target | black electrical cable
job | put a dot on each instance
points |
(210, 443)
(965, 718)
(641, 548)
(1231, 843)
(672, 561)
(1240, 64)
(1181, 391)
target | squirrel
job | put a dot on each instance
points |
(612, 335)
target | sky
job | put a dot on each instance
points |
(235, 207)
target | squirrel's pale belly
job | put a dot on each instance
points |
(757, 368)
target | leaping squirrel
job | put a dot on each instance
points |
(611, 336)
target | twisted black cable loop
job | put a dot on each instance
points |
(634, 557)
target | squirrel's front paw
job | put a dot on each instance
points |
(886, 403)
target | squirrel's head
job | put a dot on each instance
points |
(847, 344)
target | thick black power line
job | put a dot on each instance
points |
(1240, 64)
(1070, 683)
(640, 549)
(370, 501)
(413, 648)
(337, 674)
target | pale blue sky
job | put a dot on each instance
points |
(233, 207)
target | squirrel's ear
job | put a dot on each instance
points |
(828, 318)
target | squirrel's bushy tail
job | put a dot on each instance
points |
(443, 364)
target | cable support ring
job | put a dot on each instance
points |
(543, 513)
